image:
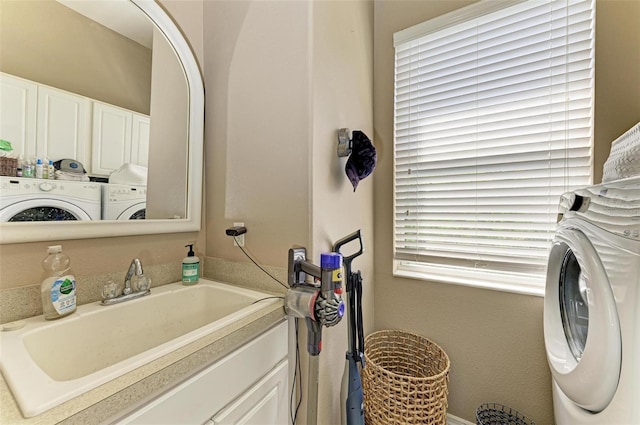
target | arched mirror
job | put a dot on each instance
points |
(110, 93)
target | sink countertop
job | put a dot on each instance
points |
(114, 398)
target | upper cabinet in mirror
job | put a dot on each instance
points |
(113, 86)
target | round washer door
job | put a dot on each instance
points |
(581, 325)
(134, 212)
(43, 210)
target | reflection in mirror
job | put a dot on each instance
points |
(110, 92)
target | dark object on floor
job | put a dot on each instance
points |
(497, 414)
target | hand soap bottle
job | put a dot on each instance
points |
(190, 267)
(58, 287)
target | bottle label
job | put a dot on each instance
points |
(190, 272)
(63, 294)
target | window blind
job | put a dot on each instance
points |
(493, 122)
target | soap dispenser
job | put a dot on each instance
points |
(58, 288)
(190, 267)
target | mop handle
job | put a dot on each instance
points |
(354, 296)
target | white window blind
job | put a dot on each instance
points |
(493, 122)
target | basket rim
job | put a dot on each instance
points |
(515, 413)
(369, 362)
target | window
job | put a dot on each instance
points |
(493, 122)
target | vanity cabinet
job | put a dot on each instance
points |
(249, 385)
(44, 122)
(120, 136)
(264, 403)
(47, 123)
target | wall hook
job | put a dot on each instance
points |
(344, 142)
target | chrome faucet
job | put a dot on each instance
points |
(136, 285)
(135, 268)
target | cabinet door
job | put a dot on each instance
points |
(229, 381)
(140, 139)
(18, 99)
(64, 121)
(264, 403)
(111, 141)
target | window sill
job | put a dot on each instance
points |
(526, 284)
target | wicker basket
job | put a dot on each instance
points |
(8, 166)
(405, 379)
(497, 414)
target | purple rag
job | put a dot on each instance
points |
(362, 160)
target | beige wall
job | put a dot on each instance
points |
(168, 150)
(54, 45)
(282, 77)
(342, 96)
(258, 135)
(617, 74)
(494, 339)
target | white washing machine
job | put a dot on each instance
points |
(29, 199)
(592, 306)
(123, 202)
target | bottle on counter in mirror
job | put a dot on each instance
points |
(36, 168)
(39, 169)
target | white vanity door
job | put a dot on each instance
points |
(120, 136)
(225, 390)
(140, 139)
(111, 141)
(264, 403)
(64, 125)
(18, 100)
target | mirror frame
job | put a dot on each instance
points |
(49, 231)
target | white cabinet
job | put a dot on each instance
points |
(120, 136)
(248, 386)
(64, 125)
(111, 139)
(264, 403)
(43, 122)
(140, 127)
(18, 100)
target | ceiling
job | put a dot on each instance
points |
(121, 16)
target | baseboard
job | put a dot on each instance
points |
(454, 420)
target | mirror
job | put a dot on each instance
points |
(166, 87)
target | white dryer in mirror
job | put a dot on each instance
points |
(592, 306)
(123, 202)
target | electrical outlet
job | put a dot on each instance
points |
(238, 240)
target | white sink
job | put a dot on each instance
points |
(46, 363)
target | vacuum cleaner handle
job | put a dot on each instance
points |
(349, 238)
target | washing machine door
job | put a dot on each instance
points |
(581, 325)
(134, 212)
(42, 210)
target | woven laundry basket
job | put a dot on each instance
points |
(405, 379)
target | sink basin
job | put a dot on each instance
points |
(46, 363)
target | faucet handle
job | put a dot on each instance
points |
(140, 283)
(109, 290)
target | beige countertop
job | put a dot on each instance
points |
(121, 395)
